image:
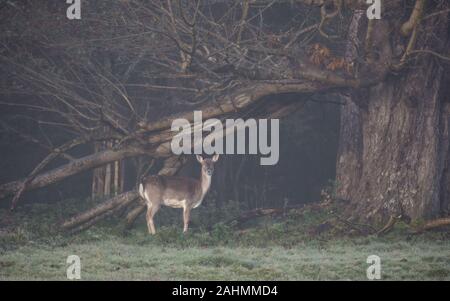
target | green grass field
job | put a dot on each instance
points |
(267, 249)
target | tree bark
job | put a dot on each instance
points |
(445, 182)
(349, 159)
(394, 136)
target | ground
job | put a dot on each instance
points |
(282, 248)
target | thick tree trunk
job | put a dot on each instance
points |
(394, 142)
(349, 160)
(445, 183)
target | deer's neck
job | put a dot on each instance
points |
(205, 182)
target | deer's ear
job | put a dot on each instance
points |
(199, 158)
(215, 158)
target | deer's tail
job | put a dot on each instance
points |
(141, 190)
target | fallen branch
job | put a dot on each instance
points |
(98, 218)
(96, 212)
(389, 226)
(47, 160)
(69, 169)
(251, 214)
(134, 214)
(437, 223)
(355, 226)
(255, 213)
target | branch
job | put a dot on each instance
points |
(437, 223)
(70, 169)
(414, 19)
(309, 79)
(123, 199)
(245, 6)
(53, 155)
(425, 51)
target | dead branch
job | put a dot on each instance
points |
(251, 214)
(389, 226)
(431, 225)
(53, 155)
(72, 168)
(414, 19)
(354, 225)
(98, 212)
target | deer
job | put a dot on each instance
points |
(176, 192)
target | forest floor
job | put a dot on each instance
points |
(270, 248)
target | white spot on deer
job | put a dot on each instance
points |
(174, 203)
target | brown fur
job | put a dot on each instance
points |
(176, 192)
(166, 187)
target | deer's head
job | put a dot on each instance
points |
(208, 164)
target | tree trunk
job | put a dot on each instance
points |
(116, 186)
(107, 180)
(394, 136)
(98, 176)
(445, 183)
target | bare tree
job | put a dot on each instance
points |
(128, 68)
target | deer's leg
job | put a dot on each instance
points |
(151, 211)
(186, 216)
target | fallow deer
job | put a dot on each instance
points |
(176, 192)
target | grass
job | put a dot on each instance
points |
(31, 248)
